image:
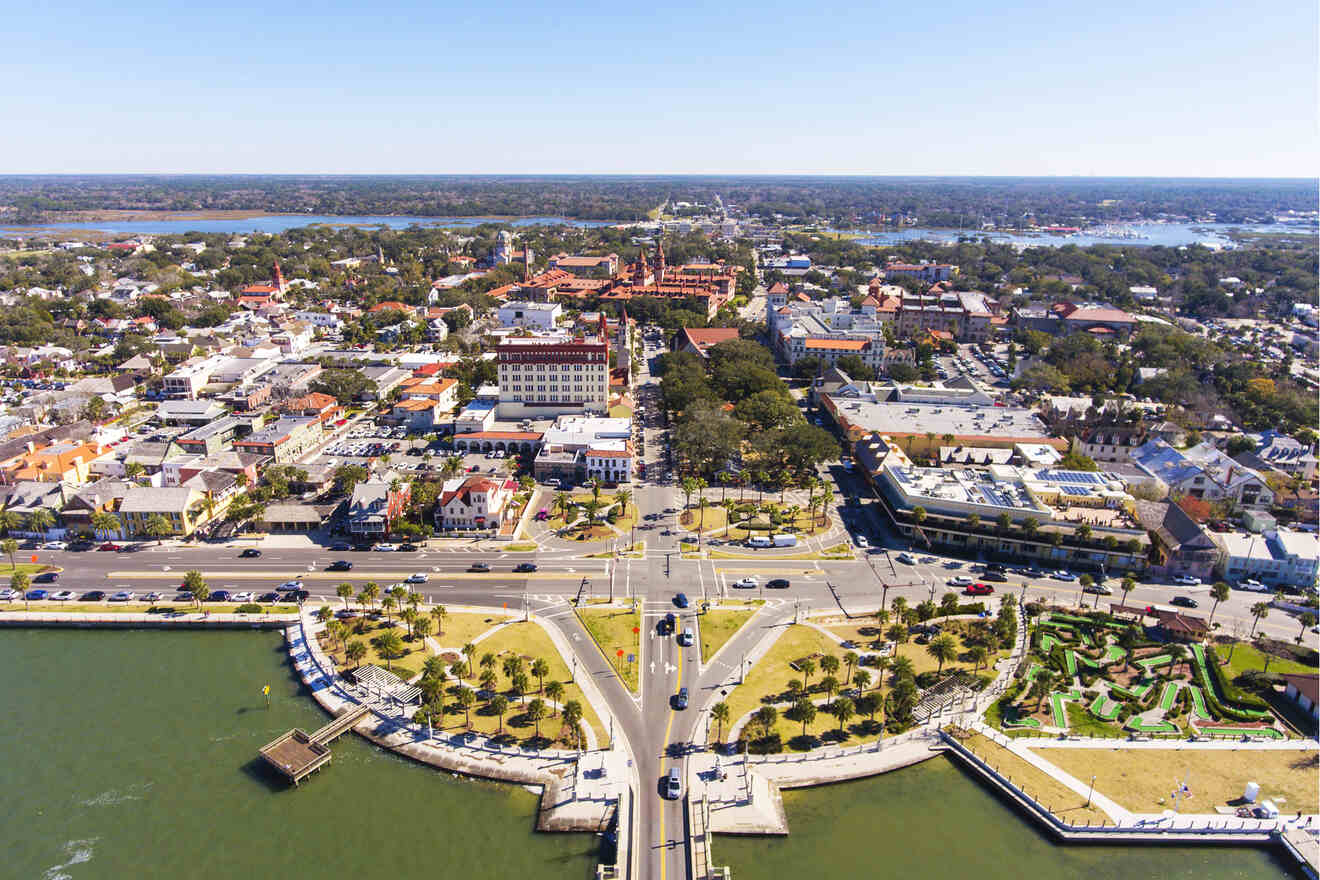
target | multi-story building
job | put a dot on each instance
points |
(475, 502)
(577, 448)
(1112, 442)
(541, 377)
(532, 315)
(216, 436)
(284, 440)
(374, 507)
(1202, 472)
(1278, 557)
(932, 273)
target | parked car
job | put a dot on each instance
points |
(1252, 584)
(244, 596)
(747, 583)
(220, 596)
(37, 595)
(9, 595)
(979, 590)
(287, 586)
(250, 553)
(405, 547)
(525, 567)
(777, 584)
(340, 565)
(1184, 602)
(54, 545)
(995, 576)
(479, 566)
(341, 546)
(906, 558)
(98, 595)
(384, 547)
(269, 597)
(860, 541)
(416, 578)
(1186, 580)
(1063, 574)
(62, 596)
(81, 544)
(681, 600)
(153, 596)
(961, 580)
(111, 547)
(123, 596)
(1098, 589)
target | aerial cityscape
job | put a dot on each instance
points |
(520, 463)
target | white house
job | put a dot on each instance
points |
(475, 502)
(534, 316)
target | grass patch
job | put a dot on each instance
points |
(716, 522)
(30, 569)
(1247, 657)
(523, 547)
(718, 626)
(867, 635)
(612, 628)
(1083, 723)
(1142, 780)
(463, 628)
(530, 641)
(365, 630)
(1050, 792)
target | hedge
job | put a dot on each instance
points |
(1232, 693)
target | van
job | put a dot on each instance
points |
(785, 540)
(762, 541)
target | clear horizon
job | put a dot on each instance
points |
(1182, 90)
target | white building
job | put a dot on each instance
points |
(1281, 556)
(532, 315)
(475, 502)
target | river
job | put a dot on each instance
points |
(1212, 235)
(277, 223)
(131, 754)
(935, 820)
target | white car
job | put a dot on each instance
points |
(385, 548)
(1253, 584)
(62, 596)
(9, 595)
(961, 580)
(861, 541)
(153, 596)
(747, 583)
(244, 596)
(1187, 580)
(54, 545)
(123, 596)
(289, 586)
(906, 558)
(418, 578)
(1063, 575)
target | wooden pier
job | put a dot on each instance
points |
(296, 754)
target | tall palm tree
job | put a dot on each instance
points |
(540, 668)
(9, 547)
(881, 665)
(470, 652)
(805, 710)
(573, 719)
(979, 655)
(354, 651)
(370, 592)
(104, 522)
(408, 616)
(465, 698)
(387, 604)
(943, 648)
(536, 710)
(554, 691)
(19, 583)
(596, 486)
(439, 613)
(345, 592)
(807, 666)
(563, 501)
(624, 498)
(40, 520)
(842, 709)
(452, 466)
(850, 659)
(9, 520)
(499, 704)
(1219, 592)
(388, 645)
(1259, 611)
(829, 684)
(720, 714)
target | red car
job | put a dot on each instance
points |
(111, 547)
(979, 590)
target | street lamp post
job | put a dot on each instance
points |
(1089, 793)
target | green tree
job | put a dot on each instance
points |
(158, 527)
(978, 655)
(573, 719)
(719, 713)
(554, 691)
(1259, 612)
(40, 520)
(805, 711)
(1307, 621)
(388, 645)
(9, 521)
(439, 613)
(345, 592)
(9, 547)
(19, 582)
(943, 648)
(540, 668)
(465, 699)
(1219, 592)
(807, 667)
(842, 709)
(105, 523)
(355, 651)
(949, 604)
(536, 710)
(829, 684)
(499, 704)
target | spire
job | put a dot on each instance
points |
(527, 264)
(660, 260)
(642, 269)
(279, 277)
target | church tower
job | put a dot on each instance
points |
(660, 260)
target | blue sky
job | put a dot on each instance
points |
(1145, 89)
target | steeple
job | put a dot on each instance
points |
(527, 264)
(660, 260)
(279, 277)
(642, 269)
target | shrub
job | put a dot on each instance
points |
(971, 608)
(249, 608)
(766, 745)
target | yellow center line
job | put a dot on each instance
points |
(669, 727)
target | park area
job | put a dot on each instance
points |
(618, 633)
(738, 521)
(719, 624)
(1097, 675)
(588, 516)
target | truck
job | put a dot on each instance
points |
(785, 540)
(760, 541)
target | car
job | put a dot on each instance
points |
(1063, 575)
(673, 784)
(220, 596)
(98, 595)
(46, 577)
(747, 583)
(525, 567)
(1252, 584)
(123, 596)
(9, 595)
(250, 553)
(384, 547)
(668, 623)
(906, 558)
(288, 586)
(269, 597)
(81, 545)
(1184, 601)
(340, 565)
(153, 596)
(111, 547)
(341, 546)
(408, 548)
(979, 590)
(36, 595)
(1186, 580)
(860, 541)
(181, 596)
(685, 638)
(55, 545)
(244, 596)
(681, 698)
(1099, 590)
(777, 584)
(1033, 571)
(681, 600)
(996, 567)
(479, 566)
(961, 580)
(995, 576)
(415, 578)
(62, 596)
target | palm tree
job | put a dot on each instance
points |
(1307, 621)
(1127, 586)
(345, 592)
(457, 669)
(9, 547)
(439, 613)
(488, 661)
(843, 710)
(949, 605)
(881, 665)
(973, 521)
(19, 583)
(862, 679)
(158, 527)
(104, 522)
(805, 710)
(850, 660)
(1259, 611)
(408, 616)
(573, 718)
(324, 614)
(540, 668)
(387, 604)
(807, 666)
(563, 501)
(897, 633)
(434, 667)
(469, 651)
(388, 645)
(1031, 526)
(623, 497)
(554, 691)
(520, 684)
(903, 668)
(369, 593)
(499, 704)
(536, 710)
(488, 680)
(354, 651)
(465, 698)
(40, 520)
(829, 664)
(943, 648)
(9, 520)
(719, 713)
(829, 684)
(688, 485)
(134, 471)
(450, 469)
(421, 625)
(979, 655)
(1219, 592)
(1043, 679)
(596, 486)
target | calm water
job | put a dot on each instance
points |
(1166, 234)
(281, 222)
(933, 820)
(131, 755)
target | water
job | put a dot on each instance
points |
(130, 754)
(277, 223)
(934, 820)
(1214, 235)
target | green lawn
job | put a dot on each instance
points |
(719, 624)
(365, 630)
(462, 628)
(530, 641)
(1246, 657)
(613, 629)
(28, 568)
(771, 674)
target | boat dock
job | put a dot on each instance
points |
(296, 754)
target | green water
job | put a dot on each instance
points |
(934, 820)
(130, 754)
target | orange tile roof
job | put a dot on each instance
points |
(840, 344)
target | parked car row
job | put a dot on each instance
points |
(44, 595)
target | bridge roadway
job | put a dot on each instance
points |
(655, 734)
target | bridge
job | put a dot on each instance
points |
(297, 754)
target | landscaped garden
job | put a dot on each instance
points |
(740, 520)
(1098, 675)
(596, 515)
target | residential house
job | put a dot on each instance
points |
(1202, 472)
(1180, 546)
(182, 507)
(374, 506)
(1304, 690)
(475, 502)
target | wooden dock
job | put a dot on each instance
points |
(297, 754)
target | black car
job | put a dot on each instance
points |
(667, 624)
(250, 553)
(46, 577)
(341, 546)
(219, 596)
(408, 548)
(1184, 601)
(340, 565)
(993, 576)
(996, 567)
(269, 597)
(681, 699)
(525, 566)
(479, 566)
(92, 596)
(81, 545)
(777, 584)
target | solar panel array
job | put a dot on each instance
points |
(1086, 478)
